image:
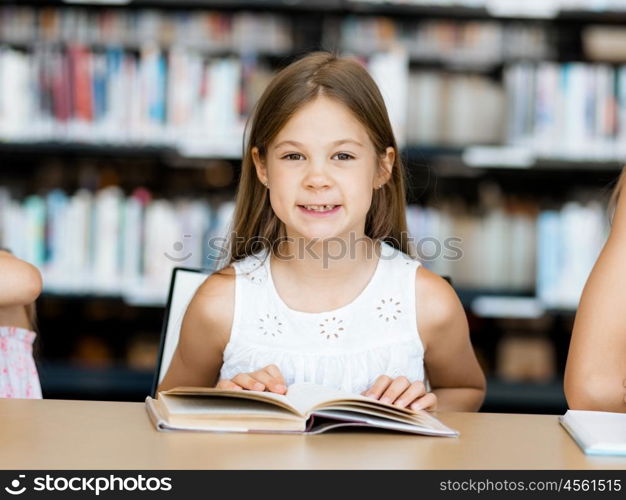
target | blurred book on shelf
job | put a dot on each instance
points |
(189, 80)
(109, 243)
(448, 109)
(460, 44)
(571, 111)
(176, 79)
(106, 243)
(512, 246)
(205, 30)
(568, 244)
(511, 8)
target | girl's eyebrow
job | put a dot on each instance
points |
(334, 143)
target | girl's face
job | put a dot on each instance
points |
(322, 169)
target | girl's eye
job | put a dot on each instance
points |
(292, 156)
(344, 156)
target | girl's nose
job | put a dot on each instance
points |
(317, 176)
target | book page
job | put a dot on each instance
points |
(264, 417)
(426, 424)
(599, 431)
(307, 397)
(267, 397)
(219, 407)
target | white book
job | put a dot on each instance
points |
(107, 234)
(14, 222)
(489, 105)
(443, 230)
(579, 254)
(621, 110)
(161, 249)
(465, 271)
(16, 98)
(390, 70)
(494, 266)
(605, 93)
(522, 267)
(306, 408)
(547, 105)
(425, 106)
(132, 241)
(597, 432)
(193, 217)
(180, 93)
(81, 241)
(576, 141)
(461, 116)
(519, 91)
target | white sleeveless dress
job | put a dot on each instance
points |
(346, 348)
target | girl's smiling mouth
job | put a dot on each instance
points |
(319, 210)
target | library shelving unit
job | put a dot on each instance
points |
(492, 99)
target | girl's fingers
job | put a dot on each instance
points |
(248, 382)
(427, 402)
(397, 387)
(379, 386)
(227, 384)
(271, 382)
(413, 392)
(279, 384)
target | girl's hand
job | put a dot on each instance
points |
(266, 379)
(402, 393)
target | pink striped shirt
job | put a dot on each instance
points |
(18, 373)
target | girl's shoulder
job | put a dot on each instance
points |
(219, 282)
(212, 307)
(219, 287)
(437, 304)
(21, 282)
(217, 291)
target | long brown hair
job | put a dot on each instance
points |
(617, 190)
(254, 225)
(31, 313)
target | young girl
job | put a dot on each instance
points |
(595, 373)
(20, 285)
(320, 286)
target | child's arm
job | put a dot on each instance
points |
(204, 334)
(451, 365)
(595, 373)
(20, 282)
(456, 380)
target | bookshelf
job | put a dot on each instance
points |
(479, 167)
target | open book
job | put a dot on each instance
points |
(597, 432)
(306, 408)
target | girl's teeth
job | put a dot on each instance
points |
(319, 208)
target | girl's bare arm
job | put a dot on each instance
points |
(204, 334)
(595, 374)
(20, 282)
(451, 365)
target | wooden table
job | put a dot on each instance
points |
(56, 434)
